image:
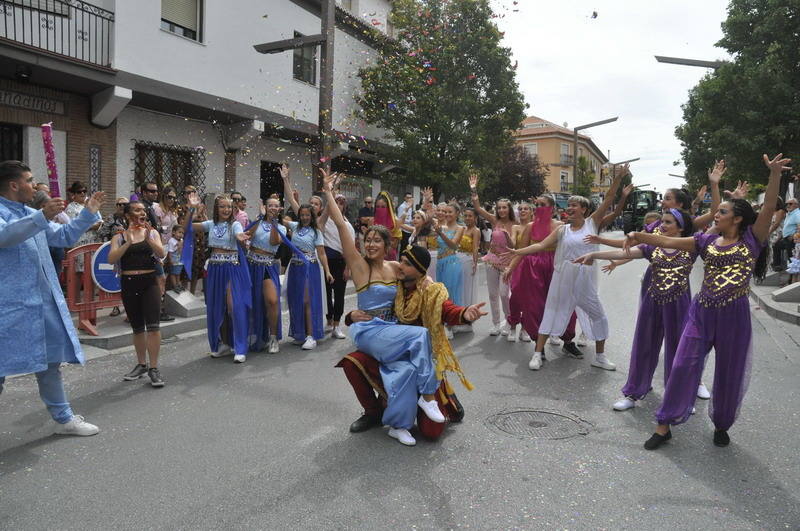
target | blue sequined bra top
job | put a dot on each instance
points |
(377, 299)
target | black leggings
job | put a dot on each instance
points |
(335, 291)
(141, 297)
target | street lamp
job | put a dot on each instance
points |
(689, 62)
(676, 175)
(575, 146)
(325, 41)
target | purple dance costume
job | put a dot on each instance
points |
(719, 317)
(663, 305)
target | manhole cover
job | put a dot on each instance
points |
(538, 424)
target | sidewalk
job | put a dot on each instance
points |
(788, 312)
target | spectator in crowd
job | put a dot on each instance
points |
(784, 246)
(239, 206)
(405, 216)
(366, 217)
(174, 249)
(77, 196)
(114, 223)
(150, 201)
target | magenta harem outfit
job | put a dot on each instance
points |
(663, 305)
(572, 286)
(531, 280)
(719, 317)
(495, 264)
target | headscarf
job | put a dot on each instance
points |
(541, 223)
(387, 218)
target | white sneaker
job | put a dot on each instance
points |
(337, 333)
(702, 392)
(273, 347)
(494, 330)
(512, 334)
(329, 327)
(431, 410)
(602, 362)
(310, 343)
(239, 358)
(536, 361)
(403, 436)
(77, 426)
(224, 350)
(505, 328)
(555, 341)
(694, 410)
(623, 404)
(582, 341)
(524, 337)
(448, 332)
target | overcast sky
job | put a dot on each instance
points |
(576, 69)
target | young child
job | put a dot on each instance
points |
(174, 249)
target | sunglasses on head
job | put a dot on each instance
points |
(121, 204)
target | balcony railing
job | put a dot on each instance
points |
(567, 160)
(70, 29)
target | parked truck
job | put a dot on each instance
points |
(639, 203)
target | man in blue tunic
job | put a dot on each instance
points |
(36, 330)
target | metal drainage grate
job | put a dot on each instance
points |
(538, 424)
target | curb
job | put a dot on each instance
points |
(788, 312)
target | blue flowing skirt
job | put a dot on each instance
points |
(220, 277)
(259, 327)
(406, 364)
(450, 273)
(302, 278)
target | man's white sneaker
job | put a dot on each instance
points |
(448, 332)
(554, 341)
(536, 361)
(310, 343)
(523, 336)
(582, 341)
(239, 358)
(602, 362)
(505, 328)
(224, 350)
(623, 404)
(77, 426)
(403, 436)
(512, 335)
(431, 410)
(273, 347)
(702, 392)
(337, 333)
(494, 330)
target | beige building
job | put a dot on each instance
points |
(553, 144)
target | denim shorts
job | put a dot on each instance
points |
(175, 269)
(159, 269)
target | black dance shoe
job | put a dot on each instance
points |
(721, 438)
(657, 440)
(363, 423)
(571, 349)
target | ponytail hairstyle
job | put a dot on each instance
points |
(682, 197)
(684, 220)
(742, 208)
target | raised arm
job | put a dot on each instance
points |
(194, 203)
(598, 214)
(351, 255)
(592, 238)
(776, 167)
(658, 240)
(620, 206)
(287, 189)
(714, 176)
(550, 241)
(476, 203)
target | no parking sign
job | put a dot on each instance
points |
(103, 272)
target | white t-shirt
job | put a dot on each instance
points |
(405, 214)
(331, 235)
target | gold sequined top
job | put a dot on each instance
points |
(727, 268)
(669, 273)
(433, 242)
(465, 245)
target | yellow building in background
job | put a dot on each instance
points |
(553, 144)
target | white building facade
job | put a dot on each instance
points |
(173, 92)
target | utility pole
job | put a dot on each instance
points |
(575, 147)
(325, 40)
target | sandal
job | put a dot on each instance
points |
(115, 312)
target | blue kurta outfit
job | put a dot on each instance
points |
(227, 270)
(448, 268)
(302, 277)
(36, 330)
(403, 351)
(263, 267)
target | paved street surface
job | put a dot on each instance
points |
(266, 445)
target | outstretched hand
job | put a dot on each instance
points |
(627, 190)
(263, 209)
(715, 174)
(193, 200)
(740, 192)
(53, 207)
(630, 241)
(621, 171)
(329, 180)
(284, 171)
(591, 238)
(778, 164)
(95, 202)
(701, 194)
(473, 181)
(586, 259)
(609, 267)
(243, 237)
(474, 312)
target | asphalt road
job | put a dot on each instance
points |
(266, 445)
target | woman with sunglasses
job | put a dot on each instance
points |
(77, 196)
(166, 214)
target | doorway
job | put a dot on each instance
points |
(10, 142)
(271, 182)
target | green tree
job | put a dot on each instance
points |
(520, 177)
(445, 91)
(749, 106)
(585, 178)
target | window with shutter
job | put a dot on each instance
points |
(49, 6)
(182, 17)
(304, 64)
